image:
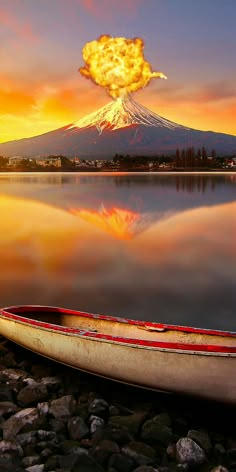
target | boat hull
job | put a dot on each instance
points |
(203, 374)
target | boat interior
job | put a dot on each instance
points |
(119, 328)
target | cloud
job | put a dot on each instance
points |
(10, 21)
(218, 91)
(106, 8)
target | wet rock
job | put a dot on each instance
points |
(77, 428)
(7, 408)
(131, 422)
(141, 453)
(103, 450)
(26, 417)
(98, 407)
(63, 407)
(32, 394)
(201, 438)
(189, 452)
(120, 463)
(154, 431)
(96, 423)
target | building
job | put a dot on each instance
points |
(49, 162)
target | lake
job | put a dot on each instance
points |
(156, 247)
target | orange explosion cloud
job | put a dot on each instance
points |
(117, 64)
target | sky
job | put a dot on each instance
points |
(41, 42)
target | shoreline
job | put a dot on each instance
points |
(55, 418)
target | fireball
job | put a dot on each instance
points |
(118, 65)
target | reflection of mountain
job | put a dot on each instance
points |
(116, 221)
(178, 269)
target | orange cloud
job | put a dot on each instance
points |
(105, 8)
(24, 30)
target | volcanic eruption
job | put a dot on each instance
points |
(122, 126)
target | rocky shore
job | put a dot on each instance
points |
(54, 418)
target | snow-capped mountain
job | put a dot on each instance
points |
(124, 127)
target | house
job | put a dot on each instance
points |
(49, 161)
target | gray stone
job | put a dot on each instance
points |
(77, 428)
(189, 452)
(24, 439)
(43, 408)
(52, 383)
(201, 438)
(7, 408)
(43, 435)
(36, 468)
(12, 426)
(63, 407)
(96, 423)
(10, 447)
(10, 463)
(141, 453)
(98, 407)
(32, 394)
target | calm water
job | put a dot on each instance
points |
(143, 246)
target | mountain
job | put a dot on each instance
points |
(124, 127)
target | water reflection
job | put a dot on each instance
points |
(178, 269)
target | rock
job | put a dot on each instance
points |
(154, 431)
(120, 436)
(219, 468)
(79, 461)
(24, 439)
(10, 463)
(13, 374)
(146, 468)
(26, 417)
(113, 410)
(77, 428)
(36, 468)
(189, 452)
(30, 460)
(32, 394)
(96, 423)
(7, 408)
(98, 407)
(5, 393)
(103, 450)
(57, 425)
(120, 463)
(63, 407)
(201, 438)
(171, 451)
(141, 453)
(51, 383)
(10, 447)
(131, 422)
(43, 408)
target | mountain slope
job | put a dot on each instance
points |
(124, 127)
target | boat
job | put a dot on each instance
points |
(179, 359)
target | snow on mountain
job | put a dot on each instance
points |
(124, 127)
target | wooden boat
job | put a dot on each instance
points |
(179, 359)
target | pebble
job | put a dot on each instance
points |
(54, 421)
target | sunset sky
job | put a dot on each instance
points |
(41, 41)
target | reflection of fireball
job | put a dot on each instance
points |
(116, 221)
(117, 64)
